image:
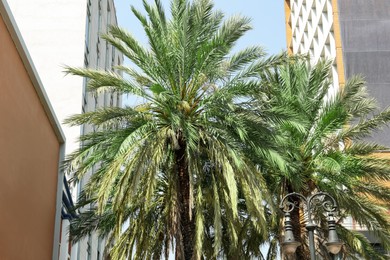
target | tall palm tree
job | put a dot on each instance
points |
(172, 171)
(326, 149)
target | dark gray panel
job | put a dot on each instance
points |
(381, 137)
(365, 35)
(364, 9)
(373, 65)
(381, 92)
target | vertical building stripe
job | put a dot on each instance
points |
(339, 48)
(287, 11)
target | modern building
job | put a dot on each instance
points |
(32, 146)
(355, 35)
(62, 33)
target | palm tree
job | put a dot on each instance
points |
(326, 149)
(172, 171)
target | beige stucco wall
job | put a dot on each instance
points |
(29, 158)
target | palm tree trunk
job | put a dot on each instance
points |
(302, 252)
(186, 222)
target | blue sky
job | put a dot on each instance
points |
(267, 21)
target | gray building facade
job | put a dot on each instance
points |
(365, 37)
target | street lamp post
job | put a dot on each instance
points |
(322, 199)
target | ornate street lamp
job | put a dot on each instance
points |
(328, 203)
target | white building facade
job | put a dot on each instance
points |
(311, 30)
(62, 33)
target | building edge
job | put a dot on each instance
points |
(287, 13)
(31, 70)
(339, 46)
(12, 28)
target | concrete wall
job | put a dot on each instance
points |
(365, 32)
(29, 159)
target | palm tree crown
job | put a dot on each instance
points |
(326, 150)
(175, 166)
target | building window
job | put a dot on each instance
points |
(112, 58)
(89, 248)
(100, 19)
(97, 54)
(108, 13)
(112, 99)
(84, 104)
(118, 100)
(99, 246)
(96, 96)
(107, 61)
(88, 27)
(86, 61)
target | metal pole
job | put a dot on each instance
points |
(310, 228)
(323, 199)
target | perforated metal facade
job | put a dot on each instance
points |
(365, 33)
